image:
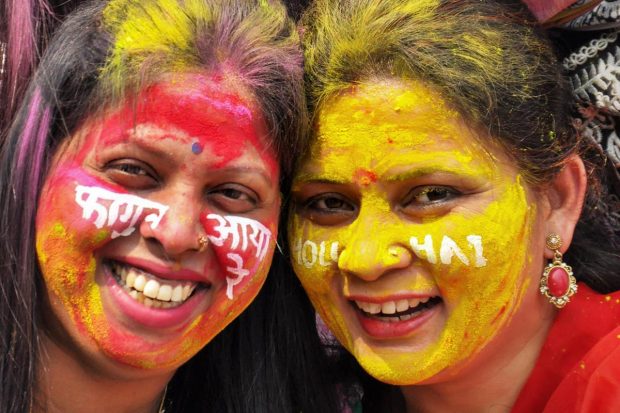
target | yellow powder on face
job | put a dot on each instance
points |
(402, 131)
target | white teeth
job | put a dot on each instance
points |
(151, 289)
(139, 283)
(388, 307)
(374, 308)
(165, 293)
(151, 292)
(391, 307)
(413, 302)
(177, 294)
(402, 305)
(131, 279)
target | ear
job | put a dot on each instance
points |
(565, 194)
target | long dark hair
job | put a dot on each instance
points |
(267, 360)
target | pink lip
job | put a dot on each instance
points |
(163, 271)
(377, 328)
(177, 317)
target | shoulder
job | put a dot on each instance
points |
(592, 328)
(593, 384)
(578, 369)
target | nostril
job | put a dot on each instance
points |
(371, 263)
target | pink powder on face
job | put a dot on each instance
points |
(203, 115)
(240, 245)
(213, 127)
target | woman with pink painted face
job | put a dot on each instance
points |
(140, 201)
(450, 227)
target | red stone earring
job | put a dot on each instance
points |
(557, 282)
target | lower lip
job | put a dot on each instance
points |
(176, 317)
(380, 329)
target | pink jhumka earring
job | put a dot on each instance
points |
(557, 282)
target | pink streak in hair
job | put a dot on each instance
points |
(33, 140)
(23, 41)
(28, 134)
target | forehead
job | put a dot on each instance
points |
(212, 112)
(390, 123)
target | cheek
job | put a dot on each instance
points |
(315, 252)
(493, 291)
(65, 240)
(243, 248)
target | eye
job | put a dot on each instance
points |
(132, 173)
(327, 209)
(233, 198)
(328, 203)
(430, 196)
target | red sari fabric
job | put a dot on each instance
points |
(578, 369)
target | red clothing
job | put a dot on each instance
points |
(578, 369)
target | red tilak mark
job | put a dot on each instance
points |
(364, 177)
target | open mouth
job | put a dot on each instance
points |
(151, 290)
(400, 310)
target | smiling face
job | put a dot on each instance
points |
(411, 239)
(125, 212)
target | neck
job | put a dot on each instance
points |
(68, 384)
(491, 383)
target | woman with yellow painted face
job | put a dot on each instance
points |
(140, 195)
(449, 226)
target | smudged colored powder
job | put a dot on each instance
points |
(428, 140)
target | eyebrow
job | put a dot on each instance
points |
(426, 171)
(321, 179)
(398, 177)
(250, 170)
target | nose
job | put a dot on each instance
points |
(179, 230)
(373, 249)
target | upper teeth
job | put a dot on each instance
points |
(149, 290)
(390, 307)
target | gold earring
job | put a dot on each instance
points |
(557, 283)
(203, 242)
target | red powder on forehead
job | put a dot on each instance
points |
(212, 114)
(216, 118)
(364, 177)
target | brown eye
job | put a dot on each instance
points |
(327, 209)
(329, 203)
(433, 199)
(132, 173)
(233, 198)
(432, 194)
